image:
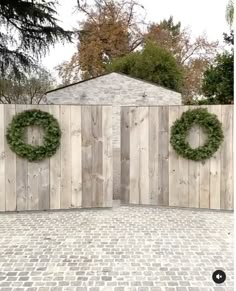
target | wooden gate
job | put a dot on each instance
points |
(78, 175)
(153, 173)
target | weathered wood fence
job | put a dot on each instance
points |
(151, 171)
(78, 175)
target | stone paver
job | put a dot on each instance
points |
(120, 249)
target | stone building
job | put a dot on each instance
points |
(115, 89)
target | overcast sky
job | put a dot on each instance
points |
(202, 16)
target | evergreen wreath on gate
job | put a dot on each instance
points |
(209, 123)
(16, 129)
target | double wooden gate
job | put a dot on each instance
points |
(80, 174)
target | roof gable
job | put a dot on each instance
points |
(118, 73)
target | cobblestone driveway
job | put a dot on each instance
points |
(125, 248)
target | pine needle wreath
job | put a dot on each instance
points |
(17, 127)
(210, 125)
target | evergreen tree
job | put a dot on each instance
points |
(218, 82)
(28, 29)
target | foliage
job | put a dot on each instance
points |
(192, 56)
(218, 81)
(230, 13)
(111, 29)
(165, 33)
(218, 84)
(26, 90)
(15, 135)
(229, 38)
(28, 28)
(152, 64)
(211, 126)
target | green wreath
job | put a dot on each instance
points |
(210, 125)
(16, 129)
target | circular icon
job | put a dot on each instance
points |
(219, 276)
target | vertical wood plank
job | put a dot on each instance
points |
(65, 198)
(144, 157)
(232, 158)
(44, 173)
(86, 131)
(33, 170)
(183, 176)
(163, 156)
(97, 156)
(116, 117)
(76, 156)
(107, 156)
(194, 168)
(204, 188)
(226, 182)
(139, 171)
(134, 156)
(215, 168)
(174, 190)
(55, 166)
(10, 165)
(21, 176)
(2, 159)
(156, 197)
(125, 154)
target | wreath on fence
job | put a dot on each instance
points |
(16, 130)
(210, 125)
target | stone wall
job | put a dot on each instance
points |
(115, 89)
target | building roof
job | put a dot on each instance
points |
(83, 81)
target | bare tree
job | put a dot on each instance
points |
(27, 90)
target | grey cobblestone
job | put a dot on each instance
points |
(122, 249)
